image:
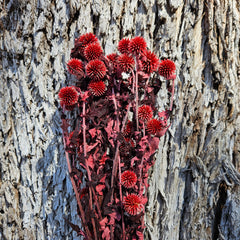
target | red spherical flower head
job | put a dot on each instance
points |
(123, 46)
(154, 126)
(150, 62)
(68, 96)
(129, 179)
(126, 63)
(97, 88)
(93, 51)
(145, 113)
(128, 129)
(137, 45)
(96, 69)
(166, 68)
(75, 67)
(84, 40)
(113, 59)
(133, 204)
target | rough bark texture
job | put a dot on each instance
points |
(194, 186)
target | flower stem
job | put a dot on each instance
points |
(87, 168)
(115, 162)
(136, 99)
(121, 197)
(76, 191)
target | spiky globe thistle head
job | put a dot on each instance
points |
(129, 179)
(137, 45)
(68, 96)
(123, 46)
(97, 88)
(133, 204)
(166, 68)
(84, 40)
(93, 51)
(154, 126)
(113, 57)
(126, 145)
(126, 63)
(75, 67)
(128, 129)
(145, 113)
(96, 69)
(149, 62)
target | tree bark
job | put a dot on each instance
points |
(194, 184)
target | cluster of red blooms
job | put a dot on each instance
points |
(114, 142)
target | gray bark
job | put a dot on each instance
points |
(194, 185)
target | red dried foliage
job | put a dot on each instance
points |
(166, 68)
(97, 88)
(75, 67)
(123, 46)
(68, 96)
(93, 51)
(154, 126)
(107, 145)
(96, 69)
(149, 62)
(129, 179)
(133, 204)
(126, 63)
(145, 113)
(137, 45)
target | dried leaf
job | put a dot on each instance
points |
(92, 146)
(99, 188)
(114, 216)
(106, 234)
(140, 235)
(102, 180)
(90, 162)
(103, 159)
(103, 223)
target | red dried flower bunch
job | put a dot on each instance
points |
(110, 145)
(166, 68)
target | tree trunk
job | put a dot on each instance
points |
(194, 185)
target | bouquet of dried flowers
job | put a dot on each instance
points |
(113, 132)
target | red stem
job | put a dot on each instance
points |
(87, 168)
(121, 197)
(114, 169)
(76, 191)
(136, 86)
(133, 83)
